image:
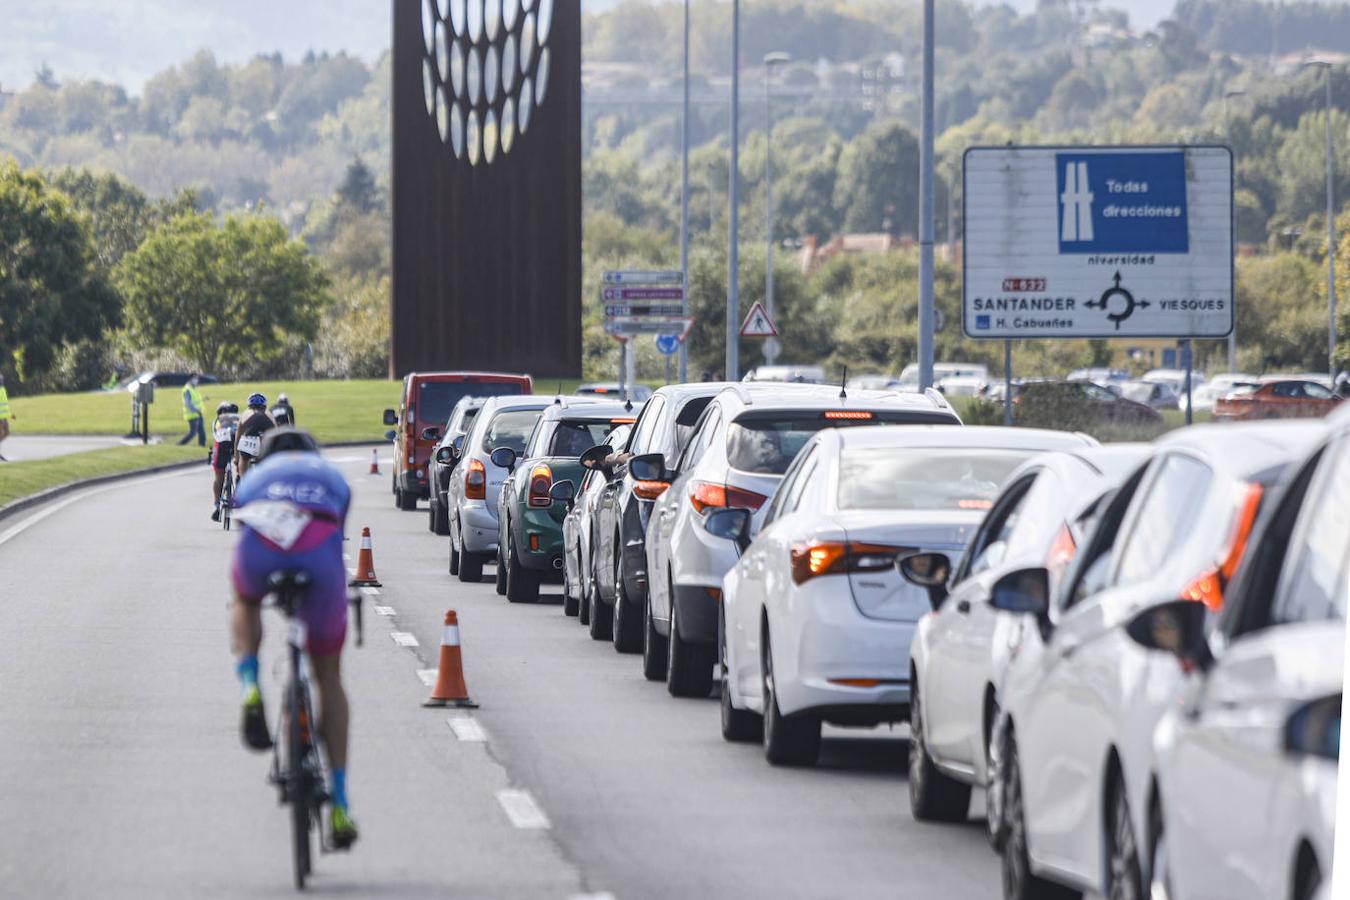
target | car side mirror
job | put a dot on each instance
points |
(731, 524)
(1176, 627)
(390, 417)
(431, 433)
(391, 435)
(1025, 591)
(563, 491)
(927, 570)
(445, 456)
(648, 467)
(457, 446)
(504, 458)
(1314, 729)
(595, 457)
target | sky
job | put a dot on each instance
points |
(127, 41)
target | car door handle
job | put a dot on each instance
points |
(963, 607)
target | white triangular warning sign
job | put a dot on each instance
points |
(758, 324)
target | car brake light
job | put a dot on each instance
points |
(705, 495)
(541, 482)
(650, 490)
(1062, 552)
(814, 558)
(622, 421)
(475, 480)
(1208, 588)
(852, 414)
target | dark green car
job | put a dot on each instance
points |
(530, 545)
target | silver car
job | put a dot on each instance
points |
(471, 498)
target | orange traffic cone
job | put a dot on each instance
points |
(374, 462)
(450, 689)
(365, 564)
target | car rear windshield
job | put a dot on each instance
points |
(437, 399)
(510, 429)
(574, 437)
(766, 443)
(936, 478)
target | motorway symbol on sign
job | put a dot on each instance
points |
(611, 294)
(644, 277)
(668, 344)
(758, 323)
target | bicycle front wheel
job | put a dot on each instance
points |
(302, 787)
(227, 500)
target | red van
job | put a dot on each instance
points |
(428, 398)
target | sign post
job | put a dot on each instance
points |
(641, 302)
(1098, 242)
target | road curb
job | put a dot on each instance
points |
(23, 504)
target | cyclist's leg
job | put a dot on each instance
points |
(250, 569)
(325, 616)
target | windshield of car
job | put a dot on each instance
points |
(766, 443)
(437, 399)
(574, 437)
(936, 478)
(510, 429)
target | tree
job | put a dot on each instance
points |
(877, 189)
(358, 191)
(51, 290)
(228, 297)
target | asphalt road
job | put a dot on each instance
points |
(18, 447)
(121, 768)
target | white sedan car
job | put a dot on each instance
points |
(960, 651)
(1074, 740)
(1245, 793)
(817, 620)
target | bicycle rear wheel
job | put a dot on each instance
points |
(227, 499)
(302, 787)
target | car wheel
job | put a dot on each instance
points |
(1124, 878)
(654, 648)
(933, 796)
(501, 573)
(572, 592)
(627, 625)
(1307, 877)
(522, 585)
(470, 567)
(688, 665)
(601, 619)
(1160, 887)
(1018, 881)
(738, 725)
(441, 523)
(993, 785)
(454, 553)
(431, 516)
(407, 501)
(788, 740)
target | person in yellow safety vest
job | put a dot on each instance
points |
(193, 413)
(5, 414)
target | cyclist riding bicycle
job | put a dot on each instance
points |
(248, 445)
(223, 431)
(305, 533)
(283, 413)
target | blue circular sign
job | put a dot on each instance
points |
(668, 344)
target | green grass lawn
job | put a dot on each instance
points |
(332, 410)
(20, 479)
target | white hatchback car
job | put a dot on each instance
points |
(471, 497)
(817, 621)
(743, 443)
(1245, 793)
(1074, 740)
(961, 650)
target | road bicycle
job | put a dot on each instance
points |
(227, 496)
(297, 767)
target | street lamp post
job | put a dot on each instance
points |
(684, 196)
(733, 362)
(926, 207)
(771, 61)
(1228, 130)
(1331, 225)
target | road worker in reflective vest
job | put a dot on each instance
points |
(5, 414)
(193, 413)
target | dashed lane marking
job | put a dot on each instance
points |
(404, 638)
(603, 895)
(521, 809)
(428, 676)
(384, 611)
(467, 729)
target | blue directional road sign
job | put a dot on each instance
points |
(668, 344)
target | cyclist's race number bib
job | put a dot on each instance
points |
(224, 435)
(280, 522)
(250, 444)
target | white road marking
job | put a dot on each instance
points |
(347, 557)
(404, 638)
(78, 496)
(467, 729)
(370, 592)
(384, 611)
(602, 895)
(521, 809)
(428, 676)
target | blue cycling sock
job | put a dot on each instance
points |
(339, 790)
(247, 669)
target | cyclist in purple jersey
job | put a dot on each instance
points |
(295, 504)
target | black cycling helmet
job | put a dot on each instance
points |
(222, 407)
(287, 439)
(232, 408)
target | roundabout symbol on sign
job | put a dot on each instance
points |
(1124, 306)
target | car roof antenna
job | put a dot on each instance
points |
(843, 391)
